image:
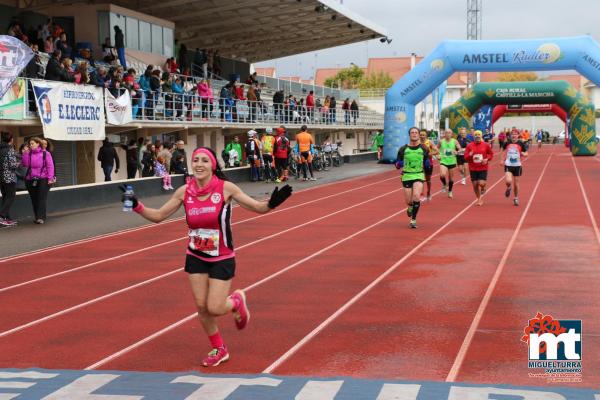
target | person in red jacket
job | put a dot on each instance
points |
(478, 154)
(310, 105)
(281, 151)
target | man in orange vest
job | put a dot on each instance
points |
(304, 147)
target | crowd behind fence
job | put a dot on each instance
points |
(189, 105)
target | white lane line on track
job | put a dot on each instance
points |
(108, 295)
(178, 239)
(129, 230)
(363, 292)
(587, 202)
(252, 286)
(462, 352)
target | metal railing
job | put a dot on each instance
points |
(375, 92)
(161, 107)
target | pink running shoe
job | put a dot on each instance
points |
(216, 357)
(241, 314)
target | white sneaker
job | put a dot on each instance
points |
(464, 181)
(443, 189)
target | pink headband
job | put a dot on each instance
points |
(209, 154)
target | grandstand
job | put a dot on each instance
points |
(161, 30)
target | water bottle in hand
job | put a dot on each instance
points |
(128, 201)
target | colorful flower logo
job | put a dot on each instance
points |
(542, 324)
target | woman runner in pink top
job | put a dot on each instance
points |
(210, 259)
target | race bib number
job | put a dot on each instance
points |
(513, 157)
(205, 241)
(448, 153)
(477, 158)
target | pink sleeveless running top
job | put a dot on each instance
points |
(209, 223)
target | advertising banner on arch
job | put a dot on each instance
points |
(69, 111)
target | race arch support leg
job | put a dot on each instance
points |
(399, 117)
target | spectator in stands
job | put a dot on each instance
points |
(131, 157)
(354, 110)
(167, 89)
(120, 45)
(178, 153)
(40, 175)
(332, 111)
(199, 61)
(99, 77)
(325, 110)
(67, 64)
(217, 68)
(148, 159)
(210, 61)
(9, 165)
(134, 91)
(47, 31)
(49, 45)
(86, 54)
(184, 59)
(226, 102)
(15, 30)
(346, 108)
(252, 102)
(55, 70)
(180, 98)
(171, 66)
(206, 98)
(278, 99)
(252, 80)
(62, 45)
(56, 30)
(109, 53)
(155, 85)
(81, 75)
(310, 105)
(107, 155)
(35, 67)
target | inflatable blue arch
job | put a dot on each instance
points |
(581, 53)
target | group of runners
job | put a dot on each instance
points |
(415, 160)
(207, 198)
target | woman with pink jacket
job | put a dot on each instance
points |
(206, 97)
(40, 175)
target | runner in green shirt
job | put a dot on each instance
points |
(378, 144)
(449, 148)
(412, 159)
(234, 158)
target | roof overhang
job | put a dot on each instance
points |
(253, 30)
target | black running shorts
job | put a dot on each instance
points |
(223, 270)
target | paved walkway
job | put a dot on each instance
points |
(81, 224)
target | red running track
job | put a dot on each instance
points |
(353, 291)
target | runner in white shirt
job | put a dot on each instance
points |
(513, 152)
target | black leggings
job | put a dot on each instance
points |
(39, 196)
(8, 191)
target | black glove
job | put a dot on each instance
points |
(279, 196)
(134, 198)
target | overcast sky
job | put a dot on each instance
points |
(419, 25)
